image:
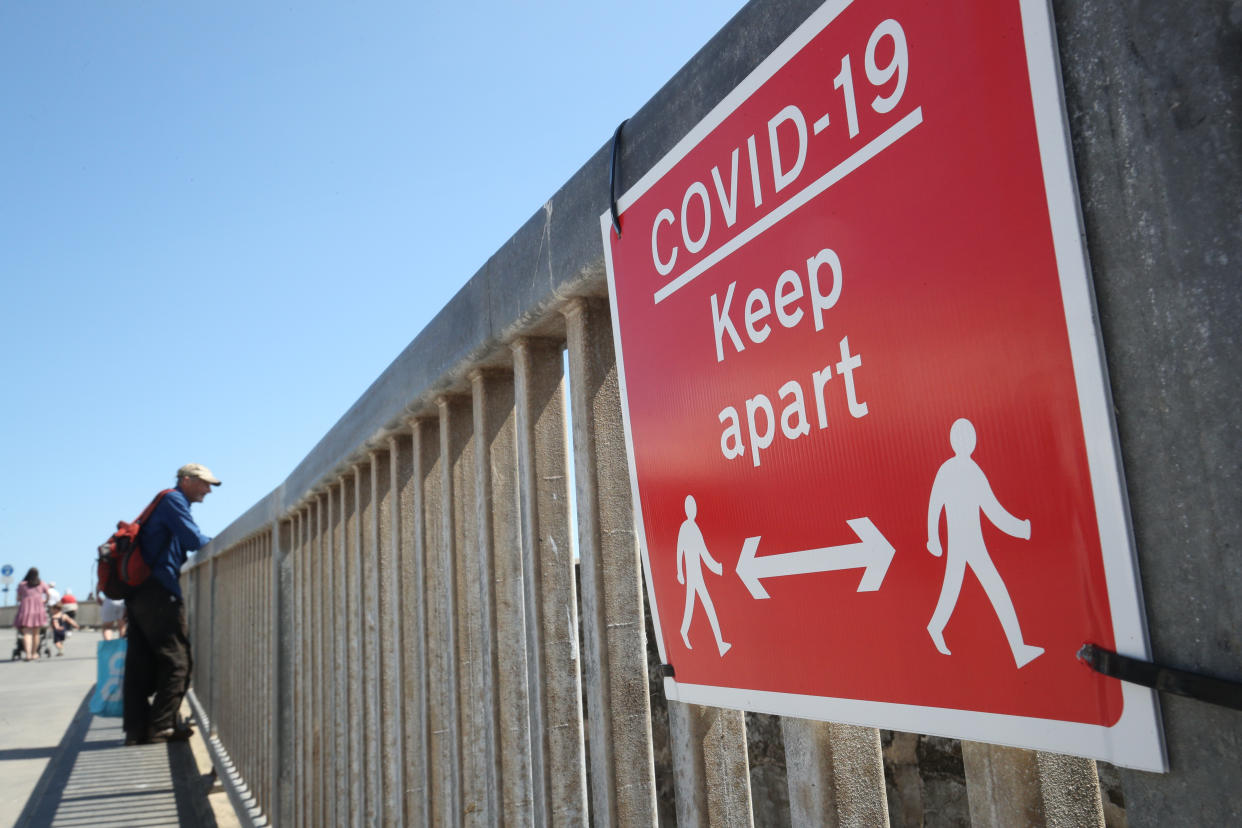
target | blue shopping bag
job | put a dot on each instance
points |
(110, 662)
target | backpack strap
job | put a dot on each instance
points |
(146, 513)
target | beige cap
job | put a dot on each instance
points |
(198, 470)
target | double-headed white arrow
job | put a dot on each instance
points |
(873, 551)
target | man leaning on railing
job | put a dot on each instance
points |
(158, 659)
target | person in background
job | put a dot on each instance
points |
(53, 595)
(70, 605)
(111, 617)
(158, 657)
(61, 622)
(31, 615)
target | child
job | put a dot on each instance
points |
(60, 626)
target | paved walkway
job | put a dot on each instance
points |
(62, 766)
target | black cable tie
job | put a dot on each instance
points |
(667, 670)
(1179, 682)
(612, 179)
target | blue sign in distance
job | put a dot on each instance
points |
(6, 570)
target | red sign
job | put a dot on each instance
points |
(870, 436)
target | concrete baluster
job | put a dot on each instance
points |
(235, 655)
(253, 646)
(265, 670)
(369, 643)
(524, 408)
(835, 774)
(308, 793)
(220, 634)
(339, 767)
(215, 629)
(385, 528)
(711, 770)
(1010, 786)
(254, 690)
(317, 577)
(444, 754)
(496, 425)
(461, 537)
(245, 699)
(480, 670)
(301, 610)
(258, 655)
(274, 631)
(247, 657)
(415, 534)
(352, 630)
(229, 708)
(291, 761)
(543, 469)
(240, 703)
(305, 791)
(622, 765)
(329, 574)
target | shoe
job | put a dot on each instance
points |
(182, 724)
(130, 741)
(168, 734)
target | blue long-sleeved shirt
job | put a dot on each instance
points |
(169, 534)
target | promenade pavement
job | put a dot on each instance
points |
(62, 766)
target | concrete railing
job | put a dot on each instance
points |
(88, 615)
(400, 634)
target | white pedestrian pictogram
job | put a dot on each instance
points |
(693, 549)
(962, 490)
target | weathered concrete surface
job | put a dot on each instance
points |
(836, 774)
(619, 727)
(1011, 787)
(711, 773)
(543, 469)
(1154, 93)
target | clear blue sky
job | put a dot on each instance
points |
(219, 222)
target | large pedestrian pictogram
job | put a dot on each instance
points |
(870, 439)
(961, 491)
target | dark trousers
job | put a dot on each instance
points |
(157, 660)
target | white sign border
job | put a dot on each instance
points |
(1137, 739)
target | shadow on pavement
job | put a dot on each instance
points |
(94, 780)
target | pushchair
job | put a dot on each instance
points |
(43, 648)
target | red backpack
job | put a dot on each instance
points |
(121, 567)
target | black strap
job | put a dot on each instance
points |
(1179, 682)
(612, 180)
